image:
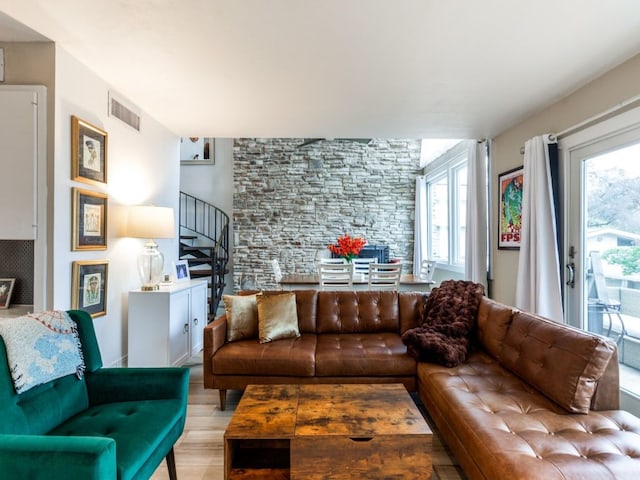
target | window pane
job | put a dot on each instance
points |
(460, 201)
(439, 219)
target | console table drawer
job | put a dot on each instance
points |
(384, 456)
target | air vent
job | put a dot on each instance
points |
(124, 113)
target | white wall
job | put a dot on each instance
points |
(143, 168)
(603, 93)
(214, 184)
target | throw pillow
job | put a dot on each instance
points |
(242, 316)
(277, 317)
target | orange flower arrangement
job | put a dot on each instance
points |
(348, 247)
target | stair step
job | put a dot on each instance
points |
(199, 260)
(200, 273)
(188, 237)
(189, 248)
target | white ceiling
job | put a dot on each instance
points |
(337, 68)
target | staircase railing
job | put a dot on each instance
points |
(208, 228)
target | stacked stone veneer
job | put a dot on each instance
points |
(290, 201)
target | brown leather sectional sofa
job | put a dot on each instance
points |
(534, 400)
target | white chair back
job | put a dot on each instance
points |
(384, 276)
(336, 276)
(333, 261)
(426, 270)
(277, 271)
(361, 265)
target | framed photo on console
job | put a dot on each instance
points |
(89, 286)
(6, 289)
(88, 152)
(88, 220)
(181, 271)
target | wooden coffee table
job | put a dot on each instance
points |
(327, 431)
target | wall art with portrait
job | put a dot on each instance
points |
(510, 185)
(89, 286)
(6, 289)
(88, 152)
(88, 220)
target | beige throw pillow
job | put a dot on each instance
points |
(242, 316)
(277, 317)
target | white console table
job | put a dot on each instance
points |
(166, 325)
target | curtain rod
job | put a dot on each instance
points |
(552, 138)
(611, 112)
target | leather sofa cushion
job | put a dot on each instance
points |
(494, 320)
(368, 354)
(288, 357)
(510, 430)
(358, 312)
(411, 308)
(534, 348)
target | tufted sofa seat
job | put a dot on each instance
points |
(511, 410)
(346, 337)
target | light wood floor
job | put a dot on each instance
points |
(199, 451)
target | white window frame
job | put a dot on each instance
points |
(447, 165)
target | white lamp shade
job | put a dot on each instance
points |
(150, 222)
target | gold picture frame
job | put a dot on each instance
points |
(88, 152)
(88, 220)
(89, 280)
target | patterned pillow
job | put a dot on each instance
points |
(41, 347)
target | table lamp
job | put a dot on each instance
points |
(150, 222)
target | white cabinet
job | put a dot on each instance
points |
(23, 177)
(166, 325)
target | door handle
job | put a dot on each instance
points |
(572, 274)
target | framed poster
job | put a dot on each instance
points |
(510, 185)
(88, 152)
(88, 220)
(6, 289)
(89, 286)
(197, 151)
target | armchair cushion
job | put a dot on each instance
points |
(139, 429)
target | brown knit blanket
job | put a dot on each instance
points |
(448, 324)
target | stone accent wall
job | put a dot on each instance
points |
(290, 201)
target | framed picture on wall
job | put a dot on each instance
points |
(6, 289)
(197, 151)
(88, 152)
(88, 220)
(89, 286)
(510, 185)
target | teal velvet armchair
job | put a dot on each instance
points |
(115, 423)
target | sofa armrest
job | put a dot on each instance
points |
(215, 336)
(109, 385)
(53, 457)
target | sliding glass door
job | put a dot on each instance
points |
(602, 251)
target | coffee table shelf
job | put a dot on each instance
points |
(327, 431)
